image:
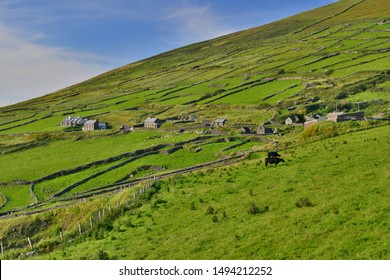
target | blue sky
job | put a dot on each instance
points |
(46, 45)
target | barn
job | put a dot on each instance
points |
(152, 123)
(91, 125)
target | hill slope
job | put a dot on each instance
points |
(332, 58)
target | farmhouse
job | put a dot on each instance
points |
(219, 122)
(335, 117)
(73, 121)
(152, 123)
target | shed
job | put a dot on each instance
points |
(91, 125)
(152, 123)
(263, 130)
(220, 122)
(102, 125)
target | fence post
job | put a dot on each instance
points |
(2, 250)
(90, 221)
(61, 236)
(99, 216)
(80, 228)
(30, 242)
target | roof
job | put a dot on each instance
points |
(220, 120)
(152, 120)
(91, 122)
(334, 114)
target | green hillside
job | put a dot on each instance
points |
(194, 183)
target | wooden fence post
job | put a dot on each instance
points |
(90, 221)
(61, 236)
(80, 228)
(99, 216)
(2, 250)
(30, 242)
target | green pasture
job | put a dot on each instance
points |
(46, 189)
(369, 96)
(18, 196)
(342, 219)
(254, 95)
(377, 65)
(69, 153)
(180, 159)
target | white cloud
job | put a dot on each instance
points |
(29, 69)
(195, 23)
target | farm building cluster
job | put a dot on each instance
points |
(86, 124)
(334, 117)
(155, 123)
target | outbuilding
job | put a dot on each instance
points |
(91, 125)
(152, 123)
(220, 122)
(263, 130)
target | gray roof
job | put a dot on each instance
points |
(333, 114)
(91, 122)
(220, 120)
(152, 120)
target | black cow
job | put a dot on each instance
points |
(273, 160)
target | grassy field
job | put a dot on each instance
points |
(311, 207)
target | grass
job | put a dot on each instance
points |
(369, 96)
(345, 220)
(256, 94)
(305, 62)
(70, 153)
(17, 196)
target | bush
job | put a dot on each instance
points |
(210, 210)
(102, 255)
(254, 209)
(303, 202)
